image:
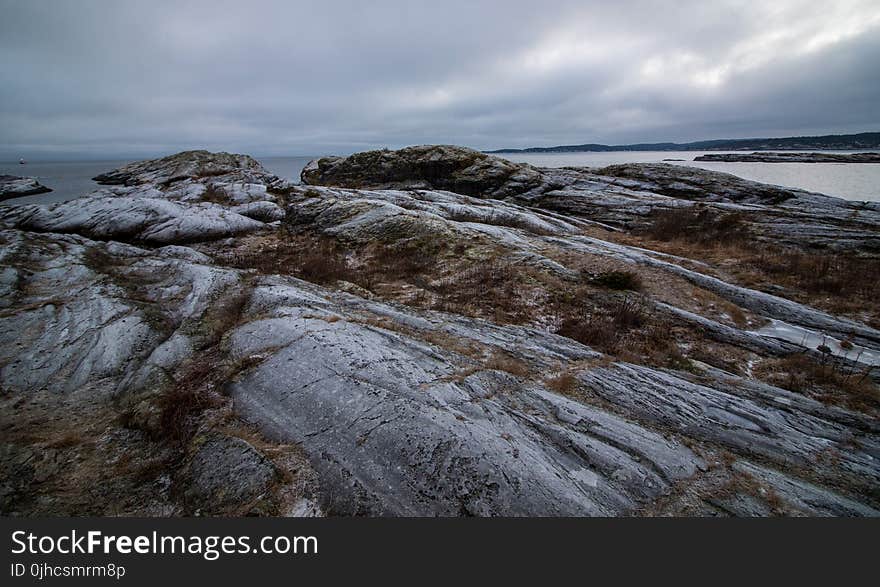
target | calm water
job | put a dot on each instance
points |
(853, 181)
(72, 179)
(68, 179)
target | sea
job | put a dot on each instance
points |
(852, 181)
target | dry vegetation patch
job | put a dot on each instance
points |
(563, 384)
(840, 283)
(697, 224)
(501, 361)
(603, 309)
(828, 381)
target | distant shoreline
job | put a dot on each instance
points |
(791, 157)
(853, 142)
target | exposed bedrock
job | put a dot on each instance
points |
(762, 303)
(188, 197)
(392, 422)
(153, 220)
(442, 167)
(693, 183)
(125, 330)
(398, 425)
(620, 195)
(100, 344)
(12, 186)
(184, 165)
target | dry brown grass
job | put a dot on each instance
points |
(323, 264)
(212, 194)
(501, 361)
(180, 407)
(477, 280)
(401, 260)
(742, 482)
(820, 273)
(697, 224)
(492, 289)
(68, 440)
(319, 260)
(324, 260)
(736, 314)
(827, 380)
(173, 414)
(453, 343)
(562, 384)
(417, 272)
(835, 282)
(620, 280)
(603, 328)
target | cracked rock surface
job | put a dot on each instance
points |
(155, 343)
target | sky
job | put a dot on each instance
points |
(105, 78)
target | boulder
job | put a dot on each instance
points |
(456, 169)
(153, 220)
(12, 186)
(691, 183)
(185, 165)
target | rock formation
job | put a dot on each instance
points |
(431, 331)
(456, 169)
(12, 186)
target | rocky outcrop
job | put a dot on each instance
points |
(440, 167)
(625, 196)
(152, 220)
(365, 216)
(188, 197)
(393, 432)
(691, 183)
(185, 165)
(196, 376)
(630, 195)
(788, 157)
(12, 186)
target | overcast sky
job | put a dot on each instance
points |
(115, 77)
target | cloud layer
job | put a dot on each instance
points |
(105, 77)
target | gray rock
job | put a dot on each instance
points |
(391, 433)
(620, 195)
(227, 472)
(133, 219)
(693, 183)
(75, 323)
(728, 414)
(12, 186)
(185, 165)
(803, 496)
(261, 210)
(401, 411)
(442, 167)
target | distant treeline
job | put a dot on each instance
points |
(865, 140)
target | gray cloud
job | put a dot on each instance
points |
(109, 77)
